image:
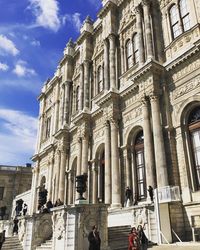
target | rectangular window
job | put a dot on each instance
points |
(1, 193)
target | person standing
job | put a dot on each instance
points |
(2, 238)
(133, 241)
(150, 190)
(128, 197)
(94, 239)
(142, 238)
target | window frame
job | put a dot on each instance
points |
(180, 19)
(2, 191)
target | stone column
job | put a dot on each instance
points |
(86, 65)
(116, 183)
(79, 156)
(148, 28)
(161, 166)
(127, 167)
(107, 164)
(186, 192)
(81, 86)
(61, 190)
(148, 145)
(84, 168)
(112, 50)
(73, 100)
(106, 65)
(50, 179)
(56, 109)
(70, 188)
(66, 103)
(61, 118)
(58, 154)
(34, 197)
(94, 183)
(140, 41)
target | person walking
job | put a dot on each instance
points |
(2, 238)
(142, 238)
(94, 239)
(133, 241)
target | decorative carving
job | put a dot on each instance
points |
(132, 115)
(190, 67)
(99, 134)
(193, 84)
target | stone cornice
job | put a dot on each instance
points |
(109, 96)
(109, 5)
(66, 58)
(180, 59)
(81, 116)
(151, 66)
(61, 133)
(83, 36)
(38, 156)
(133, 88)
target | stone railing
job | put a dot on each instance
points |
(169, 194)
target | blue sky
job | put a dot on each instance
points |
(33, 34)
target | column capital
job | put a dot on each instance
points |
(144, 101)
(112, 37)
(154, 97)
(137, 9)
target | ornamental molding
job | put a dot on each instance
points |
(163, 3)
(188, 87)
(186, 70)
(132, 115)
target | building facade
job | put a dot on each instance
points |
(124, 108)
(14, 180)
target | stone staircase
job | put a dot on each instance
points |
(118, 237)
(12, 243)
(47, 245)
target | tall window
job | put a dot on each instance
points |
(140, 165)
(179, 18)
(194, 129)
(77, 98)
(48, 127)
(1, 193)
(129, 54)
(100, 79)
(135, 49)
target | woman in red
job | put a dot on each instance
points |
(133, 240)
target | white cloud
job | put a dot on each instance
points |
(21, 69)
(46, 13)
(74, 19)
(35, 43)
(4, 67)
(6, 45)
(17, 136)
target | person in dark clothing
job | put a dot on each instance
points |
(128, 197)
(142, 238)
(2, 238)
(25, 208)
(49, 205)
(150, 190)
(15, 228)
(94, 239)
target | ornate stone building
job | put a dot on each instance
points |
(124, 107)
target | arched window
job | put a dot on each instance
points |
(135, 49)
(77, 98)
(179, 18)
(140, 165)
(194, 132)
(100, 79)
(129, 54)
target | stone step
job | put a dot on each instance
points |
(118, 237)
(12, 243)
(47, 245)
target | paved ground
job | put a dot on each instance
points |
(178, 246)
